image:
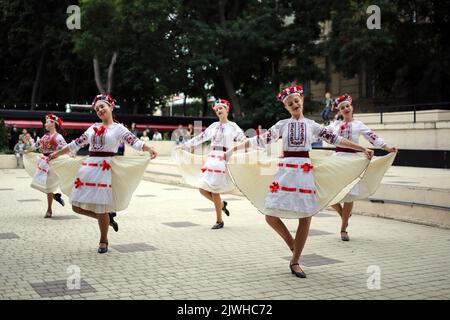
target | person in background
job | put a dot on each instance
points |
(34, 135)
(19, 148)
(22, 135)
(327, 109)
(190, 131)
(179, 135)
(28, 141)
(157, 135)
(134, 130)
(144, 137)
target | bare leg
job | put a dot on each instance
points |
(347, 210)
(218, 204)
(206, 194)
(103, 223)
(85, 212)
(281, 229)
(338, 208)
(300, 240)
(49, 203)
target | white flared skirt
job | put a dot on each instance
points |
(371, 178)
(100, 184)
(207, 172)
(296, 187)
(44, 179)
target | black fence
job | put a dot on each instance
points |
(412, 107)
(439, 159)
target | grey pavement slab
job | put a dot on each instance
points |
(8, 235)
(244, 260)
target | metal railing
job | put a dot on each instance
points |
(414, 108)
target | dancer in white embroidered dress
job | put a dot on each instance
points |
(214, 178)
(92, 192)
(44, 180)
(293, 188)
(352, 129)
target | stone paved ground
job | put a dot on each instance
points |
(165, 249)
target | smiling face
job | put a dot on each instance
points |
(49, 125)
(103, 110)
(346, 110)
(294, 104)
(221, 112)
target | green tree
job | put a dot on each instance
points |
(3, 136)
(407, 58)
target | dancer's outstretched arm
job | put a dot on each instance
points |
(345, 143)
(59, 153)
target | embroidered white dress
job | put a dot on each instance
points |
(37, 164)
(293, 186)
(296, 185)
(212, 175)
(378, 166)
(102, 183)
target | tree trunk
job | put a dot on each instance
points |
(111, 72)
(229, 86)
(98, 79)
(226, 77)
(184, 105)
(37, 79)
(205, 105)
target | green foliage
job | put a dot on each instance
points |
(237, 50)
(3, 136)
(408, 56)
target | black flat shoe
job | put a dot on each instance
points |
(224, 209)
(58, 198)
(48, 214)
(344, 236)
(218, 225)
(112, 223)
(103, 250)
(300, 274)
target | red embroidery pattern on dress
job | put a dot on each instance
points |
(297, 134)
(130, 138)
(328, 136)
(211, 170)
(79, 183)
(306, 167)
(372, 136)
(105, 166)
(99, 131)
(274, 187)
(81, 140)
(98, 139)
(346, 131)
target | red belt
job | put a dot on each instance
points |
(295, 154)
(47, 154)
(339, 149)
(220, 149)
(101, 154)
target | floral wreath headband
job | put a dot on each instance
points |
(105, 98)
(54, 119)
(344, 99)
(293, 90)
(222, 102)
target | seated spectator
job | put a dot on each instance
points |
(145, 136)
(157, 135)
